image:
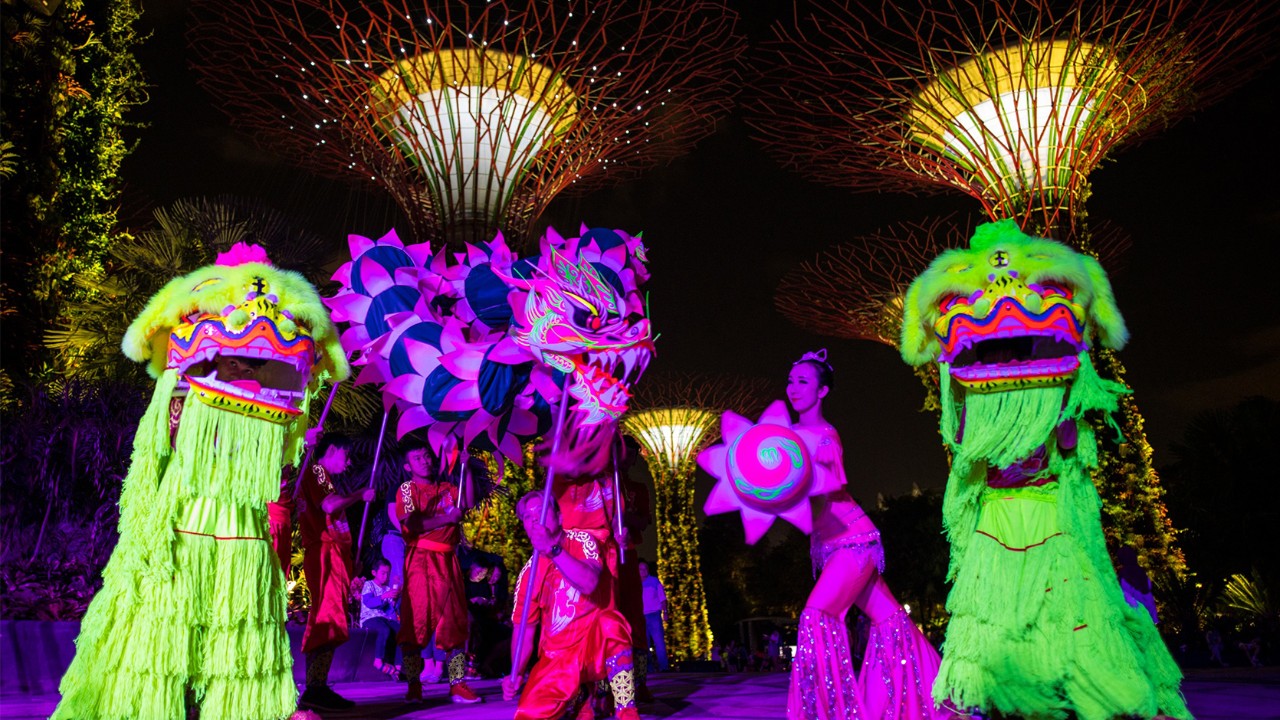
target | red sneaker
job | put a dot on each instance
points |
(628, 713)
(460, 693)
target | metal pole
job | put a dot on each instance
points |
(373, 476)
(518, 640)
(619, 503)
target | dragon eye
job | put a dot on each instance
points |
(583, 302)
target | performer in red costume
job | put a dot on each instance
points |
(327, 563)
(584, 639)
(588, 505)
(435, 599)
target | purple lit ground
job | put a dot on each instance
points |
(1230, 694)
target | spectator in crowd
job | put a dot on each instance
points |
(379, 614)
(655, 609)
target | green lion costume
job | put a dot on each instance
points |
(192, 607)
(1039, 626)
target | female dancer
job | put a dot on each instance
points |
(899, 664)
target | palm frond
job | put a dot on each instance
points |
(1248, 596)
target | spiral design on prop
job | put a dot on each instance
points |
(770, 468)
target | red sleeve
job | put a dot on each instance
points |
(522, 589)
(404, 502)
(316, 486)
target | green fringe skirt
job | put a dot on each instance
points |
(1035, 632)
(210, 633)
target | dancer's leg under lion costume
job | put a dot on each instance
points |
(1039, 627)
(192, 607)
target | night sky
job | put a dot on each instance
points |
(723, 224)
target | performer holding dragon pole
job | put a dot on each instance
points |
(192, 606)
(1039, 626)
(475, 349)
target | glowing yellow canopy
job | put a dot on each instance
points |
(1017, 116)
(473, 120)
(672, 435)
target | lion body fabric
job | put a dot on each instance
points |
(193, 604)
(1039, 626)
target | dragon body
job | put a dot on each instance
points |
(475, 347)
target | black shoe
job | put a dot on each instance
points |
(322, 697)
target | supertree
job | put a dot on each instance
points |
(673, 417)
(472, 115)
(1014, 103)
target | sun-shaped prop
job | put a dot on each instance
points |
(763, 469)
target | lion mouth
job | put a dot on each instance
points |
(1016, 357)
(1014, 344)
(275, 392)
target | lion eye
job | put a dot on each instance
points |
(950, 301)
(1052, 289)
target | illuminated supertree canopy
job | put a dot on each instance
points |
(1014, 103)
(473, 116)
(673, 417)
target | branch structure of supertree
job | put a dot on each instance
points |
(854, 288)
(1013, 102)
(673, 417)
(473, 116)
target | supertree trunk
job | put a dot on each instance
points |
(688, 631)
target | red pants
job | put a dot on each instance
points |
(561, 671)
(328, 570)
(434, 601)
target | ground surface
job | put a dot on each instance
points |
(1213, 695)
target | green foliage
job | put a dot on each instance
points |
(69, 82)
(184, 236)
(492, 525)
(1186, 605)
(1249, 598)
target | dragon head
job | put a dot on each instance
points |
(242, 335)
(1011, 311)
(578, 310)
